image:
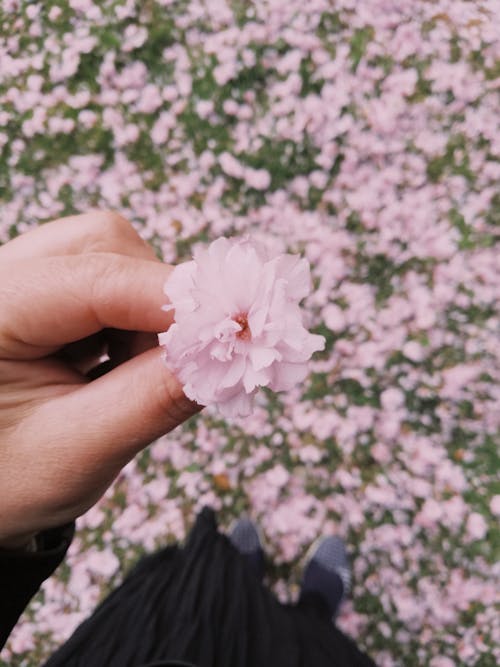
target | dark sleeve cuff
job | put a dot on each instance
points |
(22, 573)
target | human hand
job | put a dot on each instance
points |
(69, 291)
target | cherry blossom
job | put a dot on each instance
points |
(237, 324)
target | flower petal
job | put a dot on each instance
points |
(262, 357)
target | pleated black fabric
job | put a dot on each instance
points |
(201, 604)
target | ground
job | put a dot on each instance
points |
(366, 136)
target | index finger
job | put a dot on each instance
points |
(46, 303)
(95, 231)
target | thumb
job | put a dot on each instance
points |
(113, 417)
(89, 434)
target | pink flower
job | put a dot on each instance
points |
(55, 13)
(204, 108)
(495, 505)
(441, 661)
(150, 99)
(260, 179)
(277, 476)
(310, 454)
(238, 325)
(230, 165)
(134, 37)
(476, 527)
(392, 399)
(413, 351)
(102, 563)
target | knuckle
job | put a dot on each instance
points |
(98, 265)
(114, 232)
(113, 224)
(101, 267)
(104, 231)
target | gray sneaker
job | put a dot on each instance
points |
(245, 538)
(327, 573)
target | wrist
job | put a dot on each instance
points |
(22, 543)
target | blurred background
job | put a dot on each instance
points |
(364, 134)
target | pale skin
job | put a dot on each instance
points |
(70, 290)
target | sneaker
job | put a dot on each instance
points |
(245, 538)
(327, 573)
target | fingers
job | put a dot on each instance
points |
(49, 302)
(96, 231)
(106, 422)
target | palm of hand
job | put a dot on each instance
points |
(69, 292)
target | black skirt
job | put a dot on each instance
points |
(201, 604)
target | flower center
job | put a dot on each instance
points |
(244, 333)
